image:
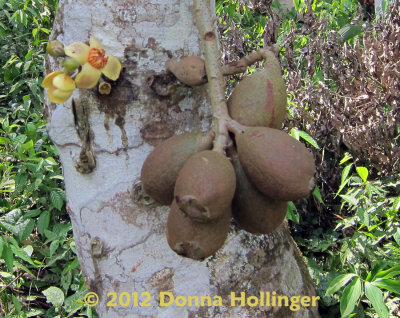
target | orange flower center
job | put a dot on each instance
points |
(97, 58)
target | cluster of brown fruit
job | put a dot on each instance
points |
(263, 169)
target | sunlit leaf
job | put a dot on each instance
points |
(351, 294)
(297, 134)
(375, 296)
(54, 295)
(392, 272)
(363, 173)
(388, 284)
(349, 199)
(338, 282)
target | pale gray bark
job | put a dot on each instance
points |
(119, 234)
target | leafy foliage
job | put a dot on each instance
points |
(39, 270)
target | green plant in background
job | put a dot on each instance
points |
(370, 248)
(372, 287)
(365, 245)
(39, 270)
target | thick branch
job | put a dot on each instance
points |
(205, 23)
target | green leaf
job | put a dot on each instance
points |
(388, 284)
(338, 282)
(350, 31)
(309, 139)
(54, 295)
(15, 223)
(363, 173)
(20, 181)
(26, 230)
(66, 279)
(50, 161)
(54, 246)
(2, 243)
(351, 200)
(23, 267)
(296, 133)
(50, 236)
(396, 236)
(22, 255)
(8, 256)
(363, 215)
(72, 265)
(344, 180)
(375, 296)
(57, 199)
(291, 212)
(5, 124)
(376, 269)
(389, 273)
(74, 302)
(351, 295)
(43, 222)
(16, 303)
(32, 214)
(317, 194)
(345, 172)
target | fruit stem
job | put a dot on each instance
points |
(235, 127)
(205, 20)
(241, 65)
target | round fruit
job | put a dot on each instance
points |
(278, 165)
(260, 98)
(205, 186)
(190, 70)
(196, 240)
(255, 212)
(161, 167)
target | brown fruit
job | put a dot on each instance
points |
(161, 167)
(255, 212)
(278, 165)
(190, 70)
(193, 239)
(260, 98)
(205, 186)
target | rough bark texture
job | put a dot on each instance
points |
(103, 141)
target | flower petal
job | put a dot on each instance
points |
(79, 51)
(87, 77)
(58, 96)
(48, 80)
(64, 82)
(112, 68)
(95, 43)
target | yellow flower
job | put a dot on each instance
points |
(94, 61)
(60, 86)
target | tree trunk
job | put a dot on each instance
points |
(103, 141)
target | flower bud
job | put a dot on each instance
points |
(55, 48)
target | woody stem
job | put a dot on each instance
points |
(205, 19)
